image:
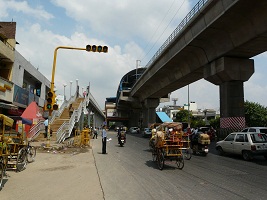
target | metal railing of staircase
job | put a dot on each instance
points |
(65, 105)
(65, 129)
(35, 130)
(91, 99)
(61, 109)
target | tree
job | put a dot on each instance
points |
(255, 114)
(182, 116)
(197, 122)
(215, 123)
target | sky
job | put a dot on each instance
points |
(132, 30)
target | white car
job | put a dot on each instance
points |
(134, 130)
(147, 132)
(255, 129)
(247, 144)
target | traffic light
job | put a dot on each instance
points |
(95, 48)
(51, 101)
(55, 106)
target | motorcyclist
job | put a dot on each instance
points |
(119, 134)
(194, 137)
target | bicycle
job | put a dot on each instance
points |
(25, 155)
(3, 162)
(31, 152)
(2, 170)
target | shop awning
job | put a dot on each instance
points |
(26, 121)
(8, 106)
(163, 117)
(32, 112)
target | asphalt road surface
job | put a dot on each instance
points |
(129, 173)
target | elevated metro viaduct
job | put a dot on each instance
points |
(124, 109)
(215, 41)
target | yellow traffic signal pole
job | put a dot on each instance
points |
(52, 86)
(93, 48)
(55, 60)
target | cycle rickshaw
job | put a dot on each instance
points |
(5, 124)
(19, 149)
(168, 144)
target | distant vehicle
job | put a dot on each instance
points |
(147, 132)
(209, 130)
(255, 129)
(247, 144)
(134, 130)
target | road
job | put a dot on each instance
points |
(129, 173)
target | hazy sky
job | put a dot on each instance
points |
(133, 30)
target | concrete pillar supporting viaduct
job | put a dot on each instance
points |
(230, 74)
(134, 115)
(149, 111)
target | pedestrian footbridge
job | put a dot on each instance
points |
(63, 125)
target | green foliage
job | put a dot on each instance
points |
(215, 123)
(197, 122)
(182, 116)
(255, 114)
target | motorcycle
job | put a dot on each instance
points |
(200, 144)
(122, 139)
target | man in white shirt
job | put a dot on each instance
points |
(46, 127)
(104, 140)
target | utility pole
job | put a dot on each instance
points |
(188, 104)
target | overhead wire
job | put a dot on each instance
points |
(159, 25)
(164, 29)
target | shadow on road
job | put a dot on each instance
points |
(168, 165)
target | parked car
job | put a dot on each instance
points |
(247, 144)
(147, 132)
(255, 129)
(134, 130)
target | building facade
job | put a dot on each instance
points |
(20, 82)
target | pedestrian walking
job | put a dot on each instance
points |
(104, 140)
(46, 128)
(71, 109)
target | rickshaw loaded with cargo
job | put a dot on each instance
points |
(169, 142)
(15, 150)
